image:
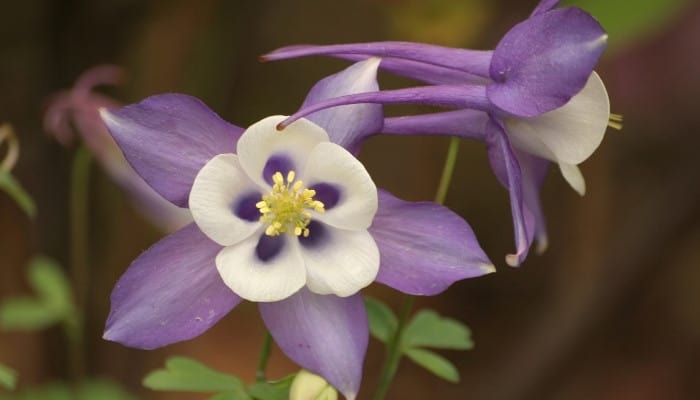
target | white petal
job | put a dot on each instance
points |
(216, 190)
(569, 134)
(331, 164)
(255, 279)
(341, 262)
(574, 177)
(262, 140)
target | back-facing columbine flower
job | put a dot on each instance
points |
(533, 99)
(289, 219)
(75, 111)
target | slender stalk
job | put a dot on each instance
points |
(260, 374)
(447, 169)
(74, 324)
(393, 357)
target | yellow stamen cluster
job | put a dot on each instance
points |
(615, 121)
(287, 208)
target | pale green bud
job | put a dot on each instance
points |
(308, 386)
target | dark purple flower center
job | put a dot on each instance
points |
(326, 193)
(277, 163)
(269, 247)
(244, 207)
(318, 234)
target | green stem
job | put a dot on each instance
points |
(74, 324)
(446, 178)
(393, 357)
(260, 374)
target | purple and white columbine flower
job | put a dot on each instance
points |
(533, 99)
(289, 219)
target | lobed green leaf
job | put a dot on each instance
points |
(277, 390)
(429, 329)
(434, 363)
(183, 374)
(382, 321)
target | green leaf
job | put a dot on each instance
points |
(50, 283)
(8, 377)
(382, 321)
(187, 375)
(103, 390)
(11, 186)
(625, 20)
(277, 390)
(434, 363)
(26, 313)
(429, 329)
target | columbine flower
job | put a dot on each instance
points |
(289, 219)
(534, 98)
(76, 111)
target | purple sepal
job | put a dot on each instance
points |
(475, 62)
(348, 126)
(326, 335)
(544, 6)
(544, 61)
(424, 246)
(534, 170)
(171, 292)
(506, 168)
(168, 138)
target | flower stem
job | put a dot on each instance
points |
(393, 357)
(447, 169)
(260, 374)
(391, 364)
(74, 324)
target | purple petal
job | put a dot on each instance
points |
(424, 246)
(347, 126)
(505, 166)
(544, 61)
(326, 335)
(544, 6)
(470, 124)
(475, 62)
(171, 292)
(168, 138)
(457, 96)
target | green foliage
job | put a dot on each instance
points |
(90, 390)
(11, 186)
(52, 303)
(277, 390)
(426, 329)
(625, 20)
(8, 377)
(186, 375)
(183, 374)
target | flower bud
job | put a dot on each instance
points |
(308, 386)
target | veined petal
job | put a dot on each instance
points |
(331, 164)
(325, 334)
(573, 176)
(456, 96)
(262, 145)
(168, 138)
(171, 292)
(544, 61)
(469, 124)
(569, 134)
(348, 125)
(544, 6)
(506, 168)
(263, 268)
(223, 200)
(472, 61)
(339, 261)
(424, 246)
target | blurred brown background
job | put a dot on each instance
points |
(610, 311)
